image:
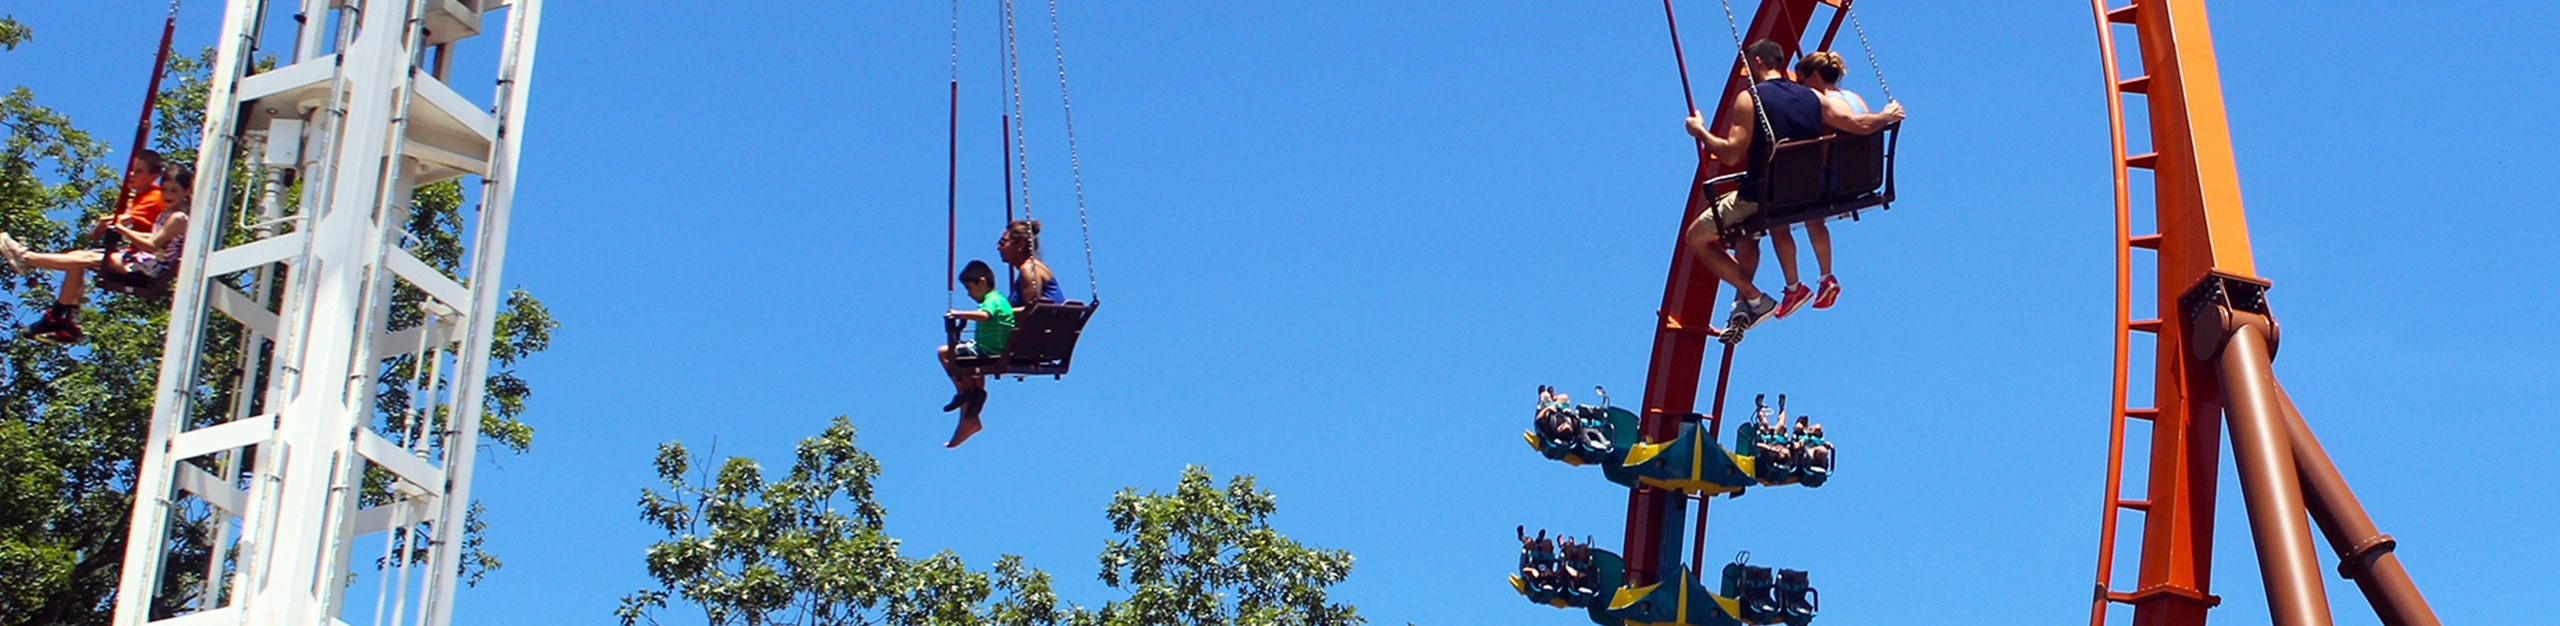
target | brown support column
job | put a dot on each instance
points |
(2261, 447)
(2364, 553)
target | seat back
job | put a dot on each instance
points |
(134, 284)
(1044, 337)
(1795, 176)
(1857, 165)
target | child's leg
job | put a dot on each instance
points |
(958, 382)
(74, 288)
(66, 261)
(1782, 242)
(1820, 234)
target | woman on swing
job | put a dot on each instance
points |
(1032, 281)
(1845, 112)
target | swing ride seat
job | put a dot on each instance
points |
(1608, 573)
(1821, 178)
(1043, 342)
(134, 284)
(1601, 435)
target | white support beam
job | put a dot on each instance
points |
(234, 259)
(400, 514)
(390, 456)
(212, 490)
(228, 435)
(243, 310)
(427, 279)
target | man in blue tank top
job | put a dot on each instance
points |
(1774, 109)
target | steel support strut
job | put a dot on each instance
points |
(2261, 446)
(2364, 553)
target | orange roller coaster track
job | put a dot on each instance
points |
(2214, 341)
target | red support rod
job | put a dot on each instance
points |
(1679, 57)
(150, 98)
(1007, 128)
(951, 200)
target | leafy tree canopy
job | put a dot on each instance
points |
(809, 548)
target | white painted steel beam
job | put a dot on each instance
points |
(361, 121)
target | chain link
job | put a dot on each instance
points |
(1075, 164)
(1013, 79)
(1871, 52)
(1751, 82)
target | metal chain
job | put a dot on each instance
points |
(1013, 78)
(1075, 164)
(1751, 82)
(1871, 53)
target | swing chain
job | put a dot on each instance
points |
(1075, 164)
(1871, 52)
(1013, 79)
(1752, 84)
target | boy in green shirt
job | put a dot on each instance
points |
(994, 316)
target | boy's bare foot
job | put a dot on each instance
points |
(968, 426)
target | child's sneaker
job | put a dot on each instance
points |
(60, 326)
(15, 253)
(1795, 297)
(1829, 294)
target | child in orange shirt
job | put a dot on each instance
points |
(153, 238)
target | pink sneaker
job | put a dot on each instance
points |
(1830, 293)
(1796, 297)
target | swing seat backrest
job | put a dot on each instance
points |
(1794, 177)
(135, 284)
(1043, 342)
(1827, 176)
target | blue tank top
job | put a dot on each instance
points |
(1794, 112)
(1048, 291)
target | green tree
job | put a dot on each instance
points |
(1208, 555)
(809, 548)
(72, 419)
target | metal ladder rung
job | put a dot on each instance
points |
(2142, 414)
(2145, 326)
(2146, 242)
(2144, 161)
(2137, 84)
(2123, 15)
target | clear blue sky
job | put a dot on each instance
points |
(1342, 241)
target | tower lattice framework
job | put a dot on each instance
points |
(318, 273)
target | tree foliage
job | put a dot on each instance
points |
(1208, 555)
(72, 419)
(810, 549)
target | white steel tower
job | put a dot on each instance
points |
(286, 478)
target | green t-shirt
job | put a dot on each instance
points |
(993, 333)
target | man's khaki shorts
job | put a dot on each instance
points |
(1729, 211)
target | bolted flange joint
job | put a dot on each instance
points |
(2221, 304)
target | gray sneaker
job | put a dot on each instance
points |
(1748, 313)
(15, 253)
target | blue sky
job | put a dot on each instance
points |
(1342, 241)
